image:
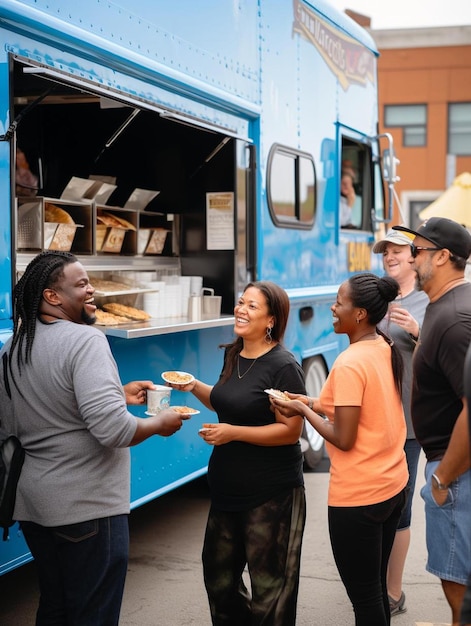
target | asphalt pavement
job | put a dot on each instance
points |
(164, 585)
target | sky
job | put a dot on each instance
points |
(410, 13)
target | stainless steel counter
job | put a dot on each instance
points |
(136, 330)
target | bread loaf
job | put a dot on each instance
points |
(114, 221)
(108, 319)
(53, 213)
(126, 311)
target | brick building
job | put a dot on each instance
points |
(424, 79)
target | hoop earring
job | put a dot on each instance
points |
(268, 337)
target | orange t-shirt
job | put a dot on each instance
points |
(375, 468)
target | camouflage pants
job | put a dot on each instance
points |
(266, 539)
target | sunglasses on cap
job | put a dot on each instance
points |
(414, 250)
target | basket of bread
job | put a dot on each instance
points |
(110, 232)
(59, 228)
(53, 230)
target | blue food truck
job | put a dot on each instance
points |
(163, 140)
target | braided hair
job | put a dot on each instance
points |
(42, 273)
(374, 293)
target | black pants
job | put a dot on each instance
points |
(268, 540)
(362, 539)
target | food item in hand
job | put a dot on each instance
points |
(126, 311)
(277, 393)
(53, 213)
(177, 378)
(186, 410)
(108, 319)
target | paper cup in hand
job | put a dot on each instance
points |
(158, 399)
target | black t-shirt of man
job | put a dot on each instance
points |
(438, 370)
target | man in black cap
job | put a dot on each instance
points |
(439, 253)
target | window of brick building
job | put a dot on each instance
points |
(412, 118)
(459, 129)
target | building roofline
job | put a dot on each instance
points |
(440, 36)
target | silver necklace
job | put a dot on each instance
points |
(252, 364)
(247, 370)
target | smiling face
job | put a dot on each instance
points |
(345, 314)
(396, 261)
(423, 263)
(252, 317)
(72, 296)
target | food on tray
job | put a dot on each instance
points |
(186, 410)
(277, 394)
(126, 311)
(108, 319)
(109, 285)
(113, 221)
(178, 378)
(53, 213)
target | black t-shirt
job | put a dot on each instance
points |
(242, 475)
(438, 370)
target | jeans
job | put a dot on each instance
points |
(412, 449)
(81, 569)
(447, 528)
(362, 539)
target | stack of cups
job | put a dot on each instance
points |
(144, 277)
(173, 300)
(151, 303)
(153, 300)
(185, 283)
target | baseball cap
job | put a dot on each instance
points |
(393, 236)
(444, 233)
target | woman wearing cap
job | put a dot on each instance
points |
(402, 324)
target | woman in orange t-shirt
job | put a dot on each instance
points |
(365, 433)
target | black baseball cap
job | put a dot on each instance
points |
(444, 233)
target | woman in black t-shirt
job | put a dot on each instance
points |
(258, 507)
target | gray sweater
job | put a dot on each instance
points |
(415, 302)
(73, 422)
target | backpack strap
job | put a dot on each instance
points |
(5, 374)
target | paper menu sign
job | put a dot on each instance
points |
(79, 189)
(220, 220)
(108, 185)
(104, 192)
(140, 198)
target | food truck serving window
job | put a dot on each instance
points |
(291, 187)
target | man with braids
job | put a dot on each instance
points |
(365, 432)
(62, 396)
